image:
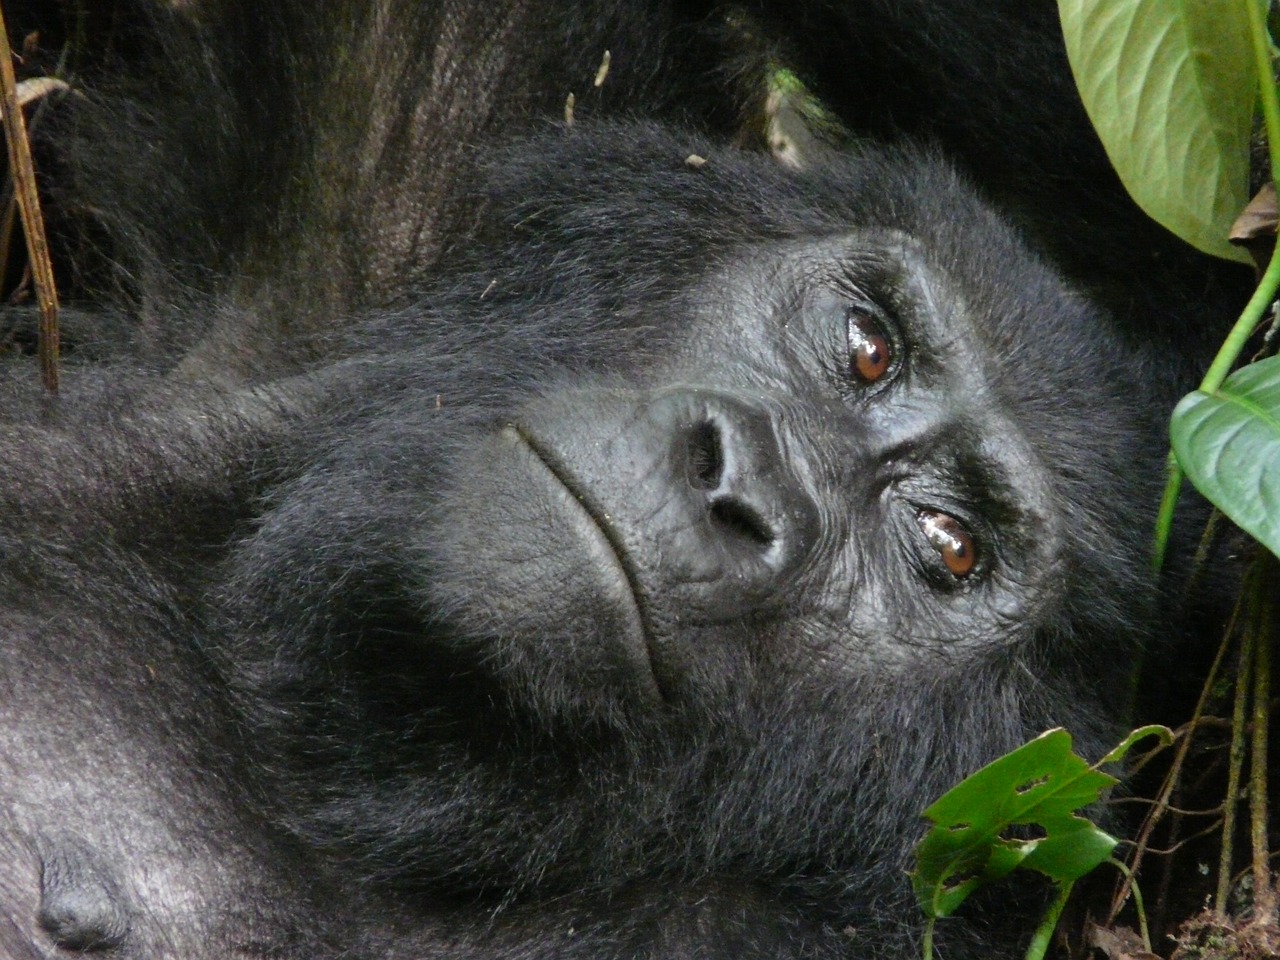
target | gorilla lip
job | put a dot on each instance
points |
(641, 643)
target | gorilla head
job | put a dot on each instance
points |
(699, 526)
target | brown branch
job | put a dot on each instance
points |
(22, 170)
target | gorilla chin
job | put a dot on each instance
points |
(539, 562)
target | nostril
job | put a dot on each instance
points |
(720, 462)
(742, 521)
(706, 457)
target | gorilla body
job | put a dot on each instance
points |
(596, 600)
(621, 583)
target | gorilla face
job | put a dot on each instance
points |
(819, 476)
(707, 523)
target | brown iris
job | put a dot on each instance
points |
(954, 543)
(870, 354)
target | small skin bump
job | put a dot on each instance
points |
(81, 906)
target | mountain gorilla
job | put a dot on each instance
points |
(621, 581)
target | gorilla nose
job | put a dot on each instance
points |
(739, 522)
(730, 488)
(693, 489)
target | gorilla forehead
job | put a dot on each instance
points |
(562, 248)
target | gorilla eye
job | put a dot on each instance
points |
(954, 543)
(870, 352)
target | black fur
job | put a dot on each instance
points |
(990, 83)
(792, 740)
(503, 560)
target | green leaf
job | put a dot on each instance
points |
(1170, 86)
(1163, 735)
(1228, 443)
(1039, 786)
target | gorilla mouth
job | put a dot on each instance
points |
(625, 595)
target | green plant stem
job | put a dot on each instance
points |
(928, 938)
(1164, 519)
(1258, 305)
(1261, 41)
(1230, 352)
(1262, 297)
(1140, 908)
(1266, 293)
(1039, 944)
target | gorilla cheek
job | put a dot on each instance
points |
(519, 570)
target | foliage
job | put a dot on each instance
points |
(1228, 442)
(1169, 87)
(1172, 88)
(1018, 812)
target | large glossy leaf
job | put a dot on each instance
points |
(1228, 444)
(1170, 87)
(976, 837)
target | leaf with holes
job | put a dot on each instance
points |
(1018, 811)
(1170, 86)
(1229, 445)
